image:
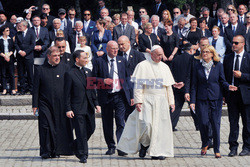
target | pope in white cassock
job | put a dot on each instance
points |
(149, 126)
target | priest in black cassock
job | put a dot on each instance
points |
(80, 103)
(54, 127)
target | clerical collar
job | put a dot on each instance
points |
(51, 64)
(78, 66)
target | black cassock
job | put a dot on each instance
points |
(54, 127)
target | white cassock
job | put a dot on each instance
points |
(152, 126)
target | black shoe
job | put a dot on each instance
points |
(143, 151)
(162, 157)
(121, 153)
(232, 153)
(110, 151)
(174, 130)
(45, 156)
(21, 93)
(244, 152)
(55, 156)
(83, 159)
(155, 158)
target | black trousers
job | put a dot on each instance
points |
(80, 124)
(8, 66)
(236, 107)
(129, 110)
(116, 102)
(25, 66)
(209, 112)
(179, 102)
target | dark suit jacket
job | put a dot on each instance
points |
(134, 58)
(244, 83)
(43, 41)
(228, 36)
(11, 47)
(101, 72)
(160, 32)
(77, 95)
(248, 41)
(244, 21)
(207, 33)
(211, 88)
(72, 40)
(67, 58)
(129, 32)
(210, 23)
(69, 25)
(26, 44)
(97, 45)
(159, 12)
(50, 22)
(144, 42)
(91, 28)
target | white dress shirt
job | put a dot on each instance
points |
(116, 82)
(86, 24)
(240, 60)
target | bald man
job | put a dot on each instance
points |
(114, 91)
(133, 57)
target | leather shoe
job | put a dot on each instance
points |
(45, 156)
(162, 158)
(143, 151)
(121, 153)
(154, 158)
(83, 160)
(232, 153)
(244, 152)
(174, 130)
(110, 151)
(55, 156)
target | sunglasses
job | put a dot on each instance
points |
(61, 46)
(237, 43)
(86, 14)
(71, 14)
(45, 8)
(176, 12)
(141, 12)
(231, 9)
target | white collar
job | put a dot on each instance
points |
(78, 66)
(86, 21)
(128, 51)
(109, 58)
(235, 25)
(3, 38)
(240, 54)
(25, 31)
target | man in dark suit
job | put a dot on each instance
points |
(113, 90)
(74, 36)
(88, 24)
(205, 13)
(179, 70)
(3, 21)
(158, 8)
(142, 11)
(232, 30)
(133, 57)
(155, 20)
(237, 72)
(55, 29)
(80, 103)
(25, 43)
(46, 9)
(65, 57)
(224, 23)
(124, 29)
(71, 19)
(42, 38)
(242, 10)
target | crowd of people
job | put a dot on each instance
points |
(139, 72)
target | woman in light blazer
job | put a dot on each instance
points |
(206, 96)
(217, 42)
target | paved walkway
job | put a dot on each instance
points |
(19, 147)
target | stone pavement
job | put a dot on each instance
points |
(19, 146)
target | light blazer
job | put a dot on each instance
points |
(220, 46)
(129, 32)
(211, 88)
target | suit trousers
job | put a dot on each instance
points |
(179, 102)
(8, 66)
(23, 66)
(80, 124)
(115, 106)
(236, 107)
(209, 111)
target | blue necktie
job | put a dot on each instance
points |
(111, 72)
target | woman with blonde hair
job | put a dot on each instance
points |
(165, 16)
(208, 81)
(231, 9)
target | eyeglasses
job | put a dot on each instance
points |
(87, 14)
(45, 8)
(141, 11)
(206, 52)
(237, 43)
